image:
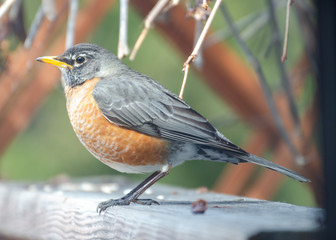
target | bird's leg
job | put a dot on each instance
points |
(133, 195)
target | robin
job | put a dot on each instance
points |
(135, 125)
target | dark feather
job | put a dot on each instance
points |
(137, 102)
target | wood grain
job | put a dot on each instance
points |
(67, 211)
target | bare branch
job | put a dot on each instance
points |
(123, 49)
(284, 76)
(157, 9)
(206, 28)
(198, 29)
(186, 70)
(248, 26)
(34, 27)
(200, 12)
(241, 24)
(284, 51)
(266, 90)
(198, 45)
(70, 35)
(255, 26)
(5, 7)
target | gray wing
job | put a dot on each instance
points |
(143, 105)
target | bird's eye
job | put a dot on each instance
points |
(80, 59)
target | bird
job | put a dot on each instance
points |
(134, 124)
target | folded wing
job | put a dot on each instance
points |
(141, 104)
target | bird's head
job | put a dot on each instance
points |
(83, 62)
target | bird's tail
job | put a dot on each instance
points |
(218, 154)
(265, 163)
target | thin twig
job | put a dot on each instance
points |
(34, 27)
(123, 49)
(284, 76)
(225, 33)
(5, 7)
(198, 29)
(157, 9)
(200, 12)
(186, 70)
(198, 45)
(70, 35)
(254, 26)
(284, 51)
(266, 90)
(248, 26)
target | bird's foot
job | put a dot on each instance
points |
(133, 195)
(103, 206)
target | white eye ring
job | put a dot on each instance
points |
(80, 60)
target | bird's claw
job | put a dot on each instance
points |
(103, 206)
(112, 202)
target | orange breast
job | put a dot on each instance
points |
(107, 142)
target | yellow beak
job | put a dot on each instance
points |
(53, 61)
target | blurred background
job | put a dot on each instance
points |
(37, 141)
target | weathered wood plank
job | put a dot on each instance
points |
(67, 211)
